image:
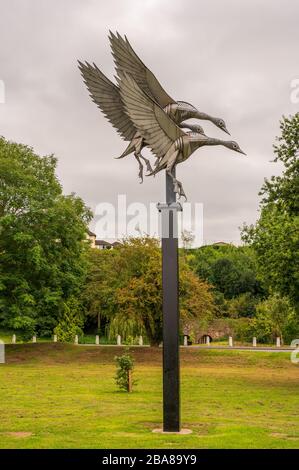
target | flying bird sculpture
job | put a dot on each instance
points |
(106, 96)
(126, 60)
(145, 115)
(167, 140)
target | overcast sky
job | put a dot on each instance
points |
(231, 59)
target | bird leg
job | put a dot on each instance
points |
(138, 147)
(148, 163)
(178, 188)
(140, 174)
(177, 185)
(181, 191)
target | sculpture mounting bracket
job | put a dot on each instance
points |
(162, 206)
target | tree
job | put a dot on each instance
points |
(124, 286)
(187, 238)
(232, 271)
(242, 306)
(275, 237)
(283, 190)
(275, 317)
(42, 245)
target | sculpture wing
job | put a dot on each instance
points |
(126, 60)
(106, 96)
(155, 126)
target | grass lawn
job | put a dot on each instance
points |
(64, 396)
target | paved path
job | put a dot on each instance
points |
(244, 348)
(228, 348)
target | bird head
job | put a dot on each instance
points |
(193, 127)
(233, 146)
(221, 124)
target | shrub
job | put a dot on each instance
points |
(25, 326)
(70, 323)
(275, 317)
(123, 377)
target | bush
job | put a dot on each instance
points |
(242, 328)
(275, 317)
(24, 326)
(70, 324)
(123, 378)
(242, 306)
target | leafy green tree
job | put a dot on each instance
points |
(242, 306)
(283, 190)
(124, 372)
(124, 286)
(71, 321)
(275, 237)
(42, 251)
(232, 271)
(275, 317)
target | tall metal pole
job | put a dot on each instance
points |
(170, 282)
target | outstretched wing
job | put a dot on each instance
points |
(155, 126)
(126, 60)
(106, 96)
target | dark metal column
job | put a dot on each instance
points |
(170, 281)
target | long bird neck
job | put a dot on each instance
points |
(204, 116)
(182, 111)
(195, 114)
(214, 141)
(202, 140)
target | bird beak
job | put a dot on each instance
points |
(241, 151)
(225, 130)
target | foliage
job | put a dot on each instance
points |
(275, 237)
(232, 271)
(275, 318)
(41, 246)
(25, 325)
(283, 190)
(71, 321)
(242, 306)
(124, 286)
(125, 366)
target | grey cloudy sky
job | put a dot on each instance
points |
(232, 59)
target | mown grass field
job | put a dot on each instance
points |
(64, 396)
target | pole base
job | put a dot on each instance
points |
(182, 431)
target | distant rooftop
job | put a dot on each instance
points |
(103, 243)
(90, 233)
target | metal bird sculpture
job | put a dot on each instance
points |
(126, 60)
(169, 142)
(106, 96)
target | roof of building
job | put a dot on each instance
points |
(103, 243)
(90, 233)
(221, 244)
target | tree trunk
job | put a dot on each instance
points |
(129, 381)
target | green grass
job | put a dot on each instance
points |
(6, 337)
(64, 396)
